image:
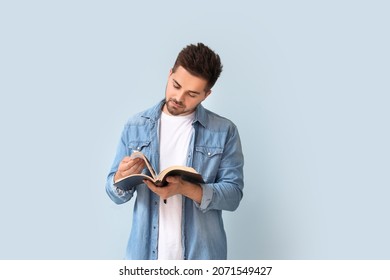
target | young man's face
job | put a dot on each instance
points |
(184, 92)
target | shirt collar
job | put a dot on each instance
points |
(155, 113)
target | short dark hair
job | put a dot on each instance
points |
(200, 61)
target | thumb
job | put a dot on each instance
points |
(172, 179)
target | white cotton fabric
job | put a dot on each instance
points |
(175, 136)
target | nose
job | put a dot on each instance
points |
(180, 96)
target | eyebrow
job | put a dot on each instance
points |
(178, 84)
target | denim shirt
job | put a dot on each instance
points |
(215, 152)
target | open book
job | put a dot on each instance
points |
(186, 173)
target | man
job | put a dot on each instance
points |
(182, 220)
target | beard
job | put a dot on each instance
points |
(175, 108)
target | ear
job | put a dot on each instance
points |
(207, 94)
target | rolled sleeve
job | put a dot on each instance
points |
(207, 197)
(117, 195)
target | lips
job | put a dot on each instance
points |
(176, 104)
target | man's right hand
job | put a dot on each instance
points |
(129, 166)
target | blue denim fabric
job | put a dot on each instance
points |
(215, 152)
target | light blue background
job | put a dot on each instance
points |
(306, 82)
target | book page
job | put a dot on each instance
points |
(148, 165)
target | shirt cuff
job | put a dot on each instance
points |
(207, 196)
(118, 191)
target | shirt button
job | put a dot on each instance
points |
(209, 154)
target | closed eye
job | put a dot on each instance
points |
(176, 84)
(193, 94)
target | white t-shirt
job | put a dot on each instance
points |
(175, 135)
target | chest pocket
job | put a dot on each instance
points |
(139, 146)
(207, 161)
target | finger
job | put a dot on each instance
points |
(132, 162)
(163, 193)
(123, 165)
(173, 179)
(140, 165)
(150, 185)
(126, 159)
(137, 167)
(127, 168)
(128, 164)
